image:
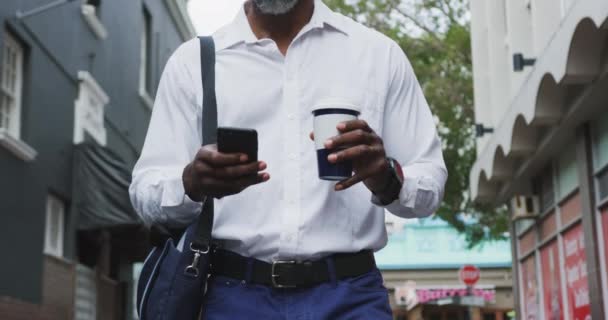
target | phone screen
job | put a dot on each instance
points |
(238, 140)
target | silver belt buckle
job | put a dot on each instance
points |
(274, 277)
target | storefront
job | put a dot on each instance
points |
(547, 157)
(421, 267)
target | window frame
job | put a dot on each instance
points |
(568, 159)
(146, 59)
(14, 112)
(54, 247)
(90, 13)
(600, 170)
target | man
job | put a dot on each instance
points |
(293, 246)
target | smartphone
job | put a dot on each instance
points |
(238, 140)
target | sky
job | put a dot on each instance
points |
(209, 15)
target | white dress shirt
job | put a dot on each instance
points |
(294, 214)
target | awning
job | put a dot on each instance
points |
(530, 129)
(101, 189)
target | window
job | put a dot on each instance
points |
(567, 176)
(145, 73)
(602, 180)
(11, 83)
(94, 3)
(543, 186)
(600, 145)
(55, 220)
(489, 316)
(89, 110)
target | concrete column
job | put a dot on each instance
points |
(481, 67)
(500, 64)
(476, 313)
(515, 268)
(585, 176)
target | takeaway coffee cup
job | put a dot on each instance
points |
(326, 117)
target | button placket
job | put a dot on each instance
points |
(292, 164)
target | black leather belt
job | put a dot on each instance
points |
(291, 273)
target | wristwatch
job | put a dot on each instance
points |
(392, 189)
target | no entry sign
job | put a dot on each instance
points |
(469, 275)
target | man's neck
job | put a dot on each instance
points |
(281, 28)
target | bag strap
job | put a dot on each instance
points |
(202, 234)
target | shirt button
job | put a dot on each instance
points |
(292, 156)
(290, 116)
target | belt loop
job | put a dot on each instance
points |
(331, 270)
(249, 270)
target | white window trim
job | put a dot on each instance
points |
(17, 147)
(58, 251)
(179, 12)
(144, 95)
(15, 116)
(89, 88)
(89, 13)
(10, 137)
(146, 99)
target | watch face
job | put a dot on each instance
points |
(397, 167)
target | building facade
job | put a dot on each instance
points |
(421, 265)
(76, 92)
(541, 105)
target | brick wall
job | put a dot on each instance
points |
(58, 286)
(12, 309)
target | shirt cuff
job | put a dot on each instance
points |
(407, 196)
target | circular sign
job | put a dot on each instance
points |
(469, 275)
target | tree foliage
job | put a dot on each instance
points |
(435, 35)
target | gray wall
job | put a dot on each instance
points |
(59, 44)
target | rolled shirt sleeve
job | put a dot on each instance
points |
(410, 136)
(157, 191)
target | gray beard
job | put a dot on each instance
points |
(275, 7)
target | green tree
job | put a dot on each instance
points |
(435, 35)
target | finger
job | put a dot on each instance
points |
(218, 159)
(353, 125)
(219, 188)
(354, 153)
(352, 138)
(312, 136)
(246, 182)
(347, 183)
(358, 177)
(239, 171)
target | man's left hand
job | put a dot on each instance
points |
(358, 143)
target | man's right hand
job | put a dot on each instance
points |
(216, 174)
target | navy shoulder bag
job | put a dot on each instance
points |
(173, 278)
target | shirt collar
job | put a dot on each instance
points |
(239, 31)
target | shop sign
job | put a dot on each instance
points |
(431, 294)
(576, 274)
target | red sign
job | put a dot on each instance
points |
(576, 274)
(530, 289)
(551, 271)
(469, 275)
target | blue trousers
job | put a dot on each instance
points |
(363, 297)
